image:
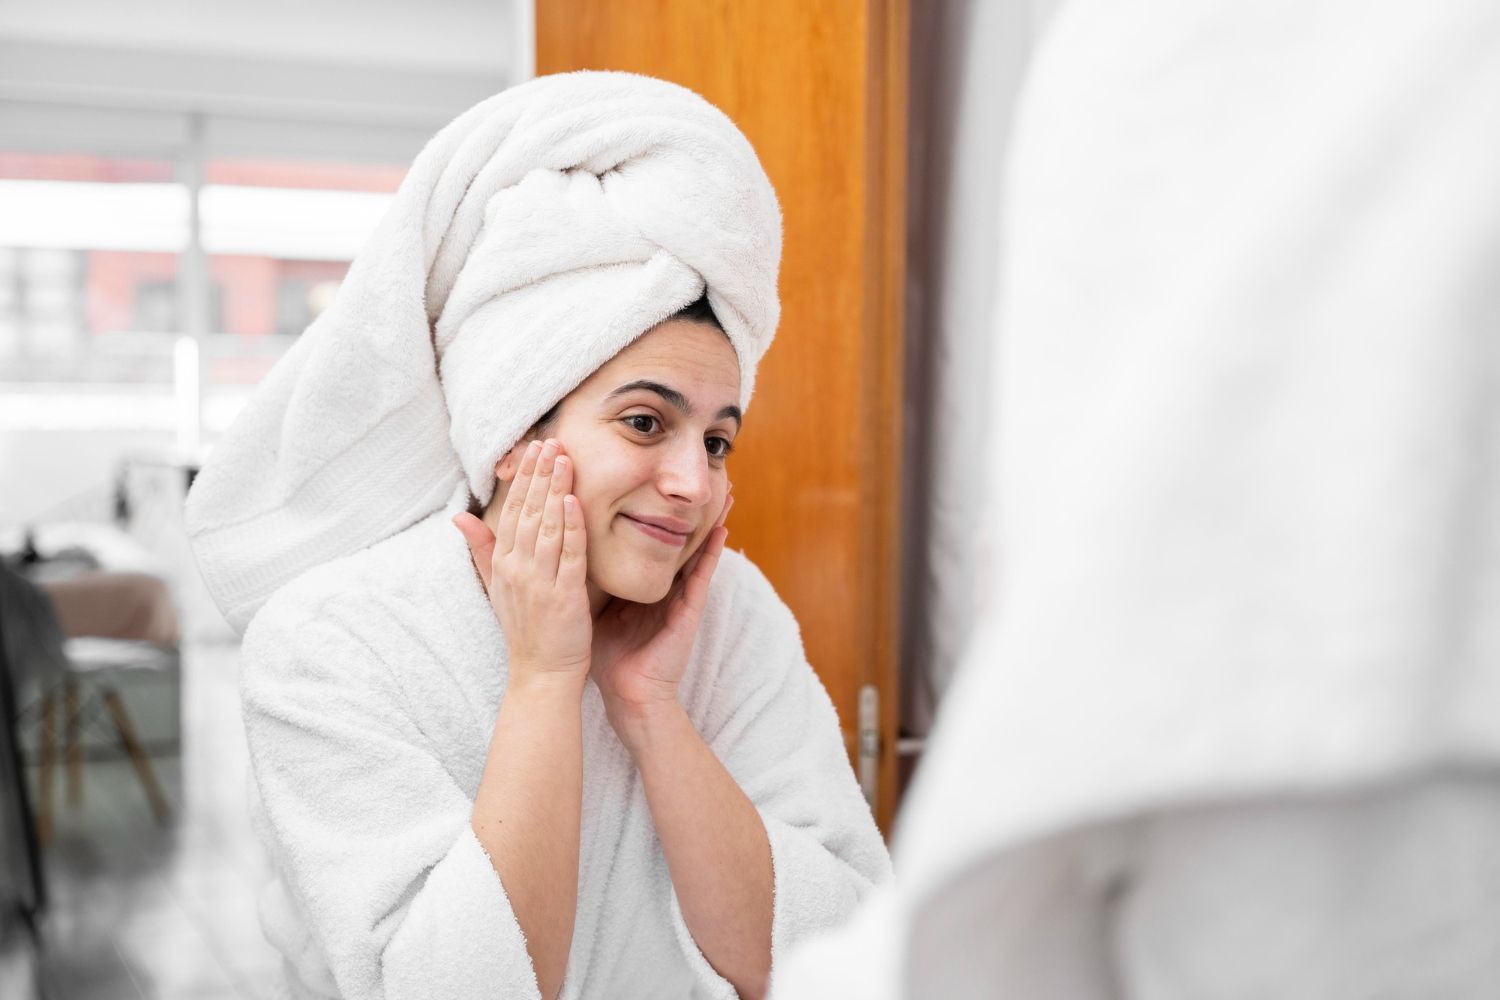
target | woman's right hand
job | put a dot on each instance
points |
(534, 568)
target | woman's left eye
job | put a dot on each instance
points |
(718, 447)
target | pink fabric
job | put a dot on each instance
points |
(114, 606)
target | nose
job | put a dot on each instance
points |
(684, 474)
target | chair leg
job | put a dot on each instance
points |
(137, 756)
(72, 746)
(48, 737)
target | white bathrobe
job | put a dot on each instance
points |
(1244, 620)
(371, 687)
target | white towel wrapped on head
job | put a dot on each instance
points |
(534, 237)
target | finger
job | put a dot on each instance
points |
(515, 499)
(692, 562)
(481, 542)
(572, 568)
(695, 586)
(550, 535)
(535, 504)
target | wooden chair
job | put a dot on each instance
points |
(81, 673)
(88, 688)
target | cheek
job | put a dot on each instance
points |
(599, 482)
(605, 475)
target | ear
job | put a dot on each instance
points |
(510, 462)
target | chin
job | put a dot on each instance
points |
(637, 587)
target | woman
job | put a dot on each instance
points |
(572, 748)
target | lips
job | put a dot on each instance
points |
(667, 530)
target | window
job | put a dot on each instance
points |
(92, 278)
(89, 257)
(280, 235)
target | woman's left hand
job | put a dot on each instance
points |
(640, 651)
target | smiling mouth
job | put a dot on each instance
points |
(660, 534)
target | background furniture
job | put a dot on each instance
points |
(22, 883)
(89, 688)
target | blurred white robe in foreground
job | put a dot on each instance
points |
(1233, 728)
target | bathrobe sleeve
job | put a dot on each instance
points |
(369, 832)
(768, 718)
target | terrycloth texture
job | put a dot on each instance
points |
(534, 237)
(371, 687)
(1397, 886)
(1248, 436)
(1390, 892)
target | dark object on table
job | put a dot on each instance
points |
(29, 555)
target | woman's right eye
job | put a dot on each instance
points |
(642, 423)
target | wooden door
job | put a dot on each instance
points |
(819, 87)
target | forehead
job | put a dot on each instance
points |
(689, 356)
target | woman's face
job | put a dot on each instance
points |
(648, 435)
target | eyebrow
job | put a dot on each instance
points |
(676, 399)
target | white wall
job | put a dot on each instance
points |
(330, 78)
(450, 36)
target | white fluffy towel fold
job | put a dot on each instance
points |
(1229, 728)
(534, 237)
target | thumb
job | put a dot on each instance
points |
(695, 585)
(480, 539)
